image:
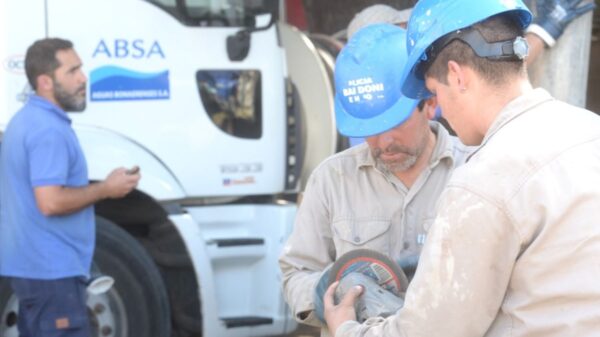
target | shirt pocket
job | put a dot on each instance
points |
(351, 234)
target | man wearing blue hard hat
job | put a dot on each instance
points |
(552, 18)
(514, 248)
(381, 194)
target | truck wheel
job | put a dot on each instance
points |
(136, 306)
(8, 309)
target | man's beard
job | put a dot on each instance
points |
(409, 160)
(68, 101)
(411, 155)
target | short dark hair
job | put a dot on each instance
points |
(40, 58)
(497, 72)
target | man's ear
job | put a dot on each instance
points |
(45, 83)
(457, 76)
(430, 106)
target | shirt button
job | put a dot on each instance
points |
(356, 239)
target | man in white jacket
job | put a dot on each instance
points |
(514, 248)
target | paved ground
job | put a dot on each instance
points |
(304, 331)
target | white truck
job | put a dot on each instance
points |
(225, 109)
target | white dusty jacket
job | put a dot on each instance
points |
(515, 248)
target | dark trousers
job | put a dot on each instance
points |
(52, 308)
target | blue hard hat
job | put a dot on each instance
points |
(433, 19)
(368, 99)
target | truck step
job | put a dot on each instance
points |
(236, 322)
(238, 242)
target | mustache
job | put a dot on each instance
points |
(392, 149)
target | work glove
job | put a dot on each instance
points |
(553, 16)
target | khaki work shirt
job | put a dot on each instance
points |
(515, 248)
(349, 203)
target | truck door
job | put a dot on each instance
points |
(159, 75)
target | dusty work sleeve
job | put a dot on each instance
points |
(308, 251)
(462, 276)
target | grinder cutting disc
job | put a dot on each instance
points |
(376, 265)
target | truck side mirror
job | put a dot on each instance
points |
(238, 44)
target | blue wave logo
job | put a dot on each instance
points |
(111, 83)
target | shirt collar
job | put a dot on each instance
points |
(444, 148)
(514, 109)
(365, 158)
(45, 104)
(444, 145)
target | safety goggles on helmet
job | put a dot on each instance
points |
(515, 49)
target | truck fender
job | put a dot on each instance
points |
(106, 150)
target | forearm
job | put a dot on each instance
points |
(553, 17)
(299, 289)
(307, 253)
(302, 268)
(60, 200)
(536, 47)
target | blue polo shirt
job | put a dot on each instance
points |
(39, 148)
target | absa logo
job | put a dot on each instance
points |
(121, 48)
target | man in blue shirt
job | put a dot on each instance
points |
(47, 229)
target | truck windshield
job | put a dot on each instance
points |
(217, 13)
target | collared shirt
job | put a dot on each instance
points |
(39, 148)
(515, 248)
(349, 204)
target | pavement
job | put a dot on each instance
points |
(304, 331)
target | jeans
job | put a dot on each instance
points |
(52, 308)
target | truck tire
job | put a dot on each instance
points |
(8, 310)
(138, 302)
(136, 306)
